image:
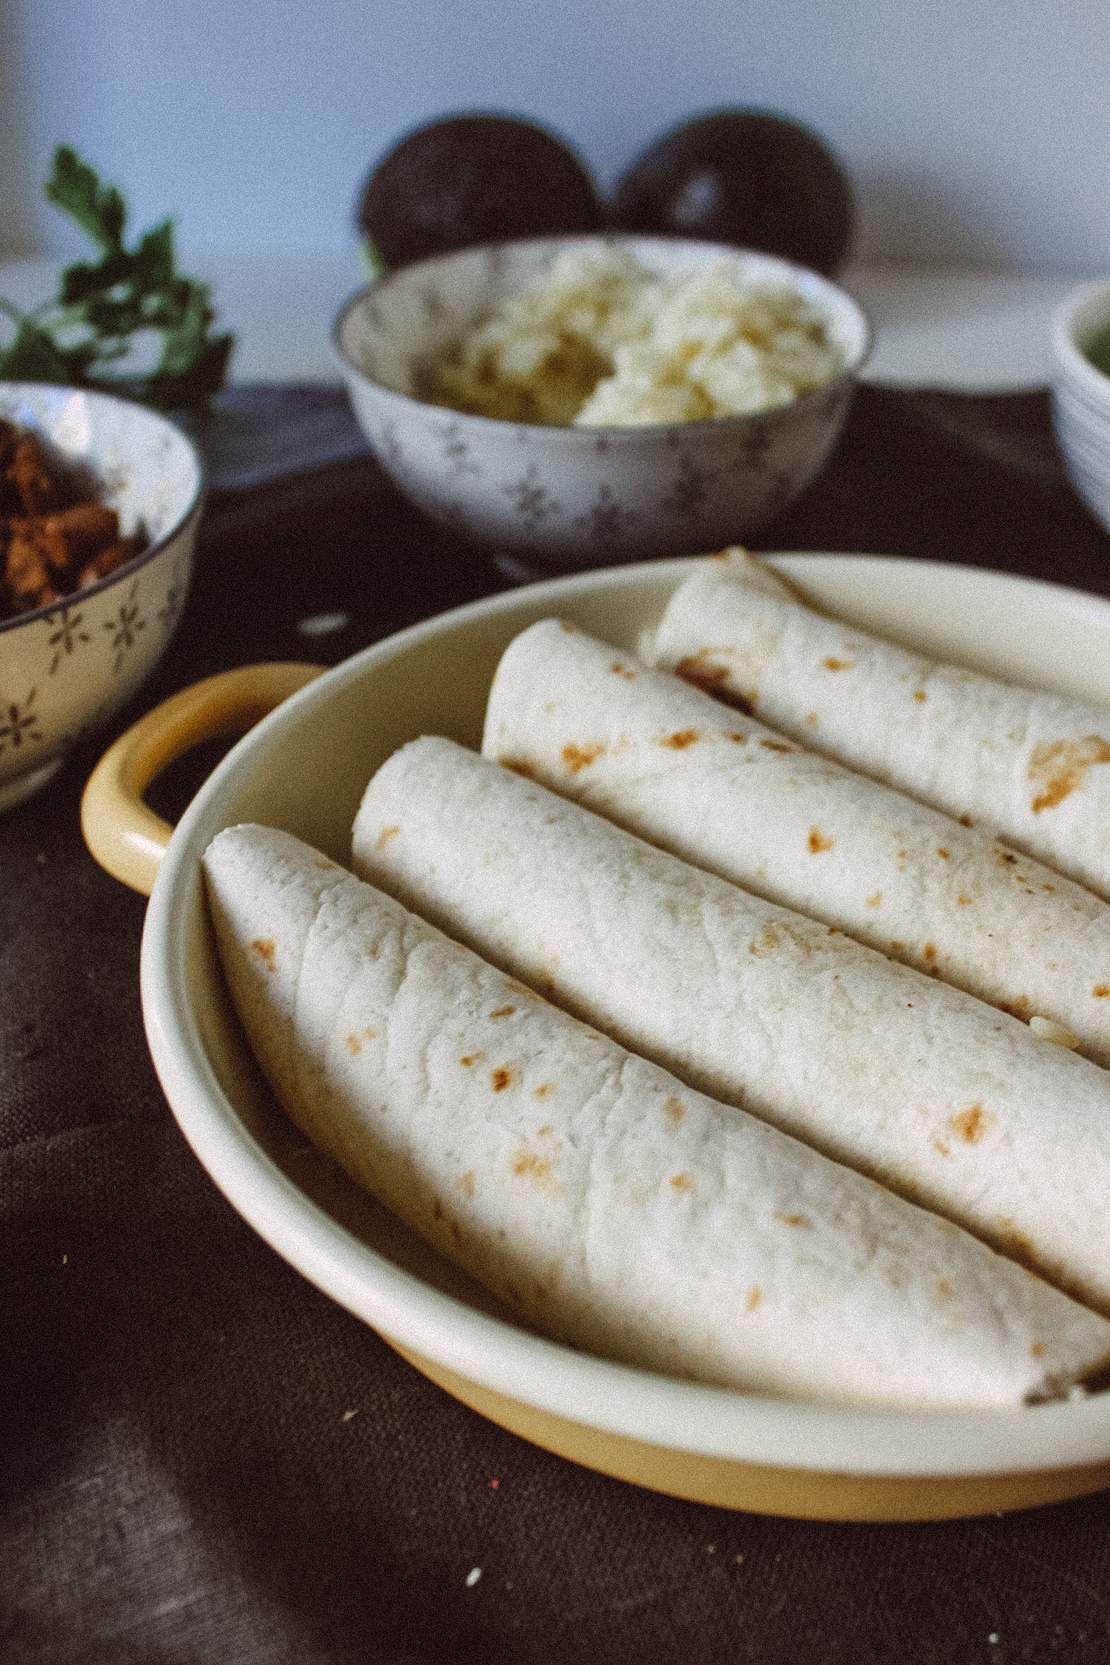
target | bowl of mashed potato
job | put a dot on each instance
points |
(573, 402)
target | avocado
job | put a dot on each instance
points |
(474, 178)
(745, 177)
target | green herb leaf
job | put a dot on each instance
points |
(1098, 350)
(32, 356)
(75, 188)
(94, 321)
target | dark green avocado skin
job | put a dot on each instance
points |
(746, 177)
(474, 178)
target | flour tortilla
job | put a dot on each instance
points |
(914, 1082)
(610, 1205)
(690, 774)
(1033, 767)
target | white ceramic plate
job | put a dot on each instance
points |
(303, 768)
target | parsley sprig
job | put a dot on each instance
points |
(105, 308)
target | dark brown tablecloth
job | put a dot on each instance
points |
(203, 1461)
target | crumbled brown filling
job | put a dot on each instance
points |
(55, 537)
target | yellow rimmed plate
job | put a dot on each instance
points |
(303, 767)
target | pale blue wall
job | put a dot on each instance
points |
(978, 131)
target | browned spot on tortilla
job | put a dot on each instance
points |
(755, 1296)
(1049, 890)
(544, 1090)
(920, 695)
(738, 736)
(945, 855)
(874, 899)
(1019, 1007)
(794, 1219)
(354, 1045)
(323, 864)
(580, 757)
(943, 1289)
(503, 1011)
(929, 953)
(1006, 857)
(682, 1182)
(965, 820)
(623, 670)
(466, 1183)
(384, 837)
(682, 738)
(698, 669)
(469, 1058)
(1101, 991)
(942, 1146)
(519, 766)
(537, 1168)
(1059, 767)
(1017, 1244)
(674, 1110)
(963, 899)
(765, 942)
(818, 841)
(500, 1078)
(369, 1033)
(832, 664)
(812, 719)
(897, 947)
(571, 629)
(776, 746)
(970, 1124)
(545, 1131)
(266, 949)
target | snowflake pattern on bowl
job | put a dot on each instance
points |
(531, 499)
(68, 634)
(685, 498)
(606, 520)
(456, 450)
(19, 723)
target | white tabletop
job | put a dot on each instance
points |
(934, 327)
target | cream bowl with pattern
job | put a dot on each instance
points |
(65, 668)
(576, 497)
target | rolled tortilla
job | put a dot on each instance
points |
(688, 773)
(911, 1081)
(1031, 766)
(610, 1205)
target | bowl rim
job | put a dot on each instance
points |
(622, 433)
(191, 510)
(809, 1434)
(1072, 363)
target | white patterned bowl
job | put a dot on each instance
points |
(581, 497)
(67, 667)
(1081, 396)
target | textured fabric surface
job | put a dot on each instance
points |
(182, 1480)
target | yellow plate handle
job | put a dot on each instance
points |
(126, 837)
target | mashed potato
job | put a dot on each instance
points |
(602, 342)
